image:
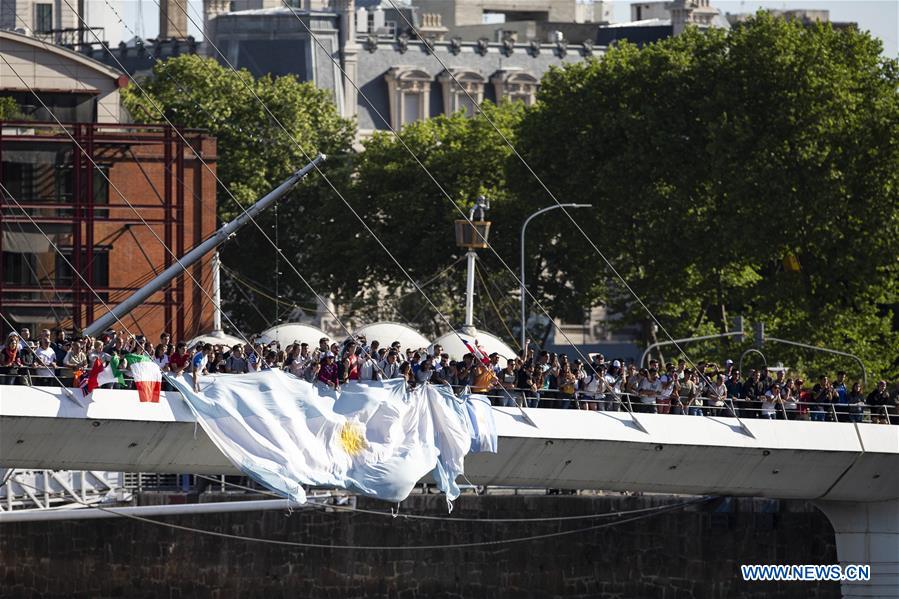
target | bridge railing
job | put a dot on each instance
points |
(614, 402)
(696, 406)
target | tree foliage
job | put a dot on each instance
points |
(461, 158)
(717, 158)
(716, 162)
(10, 109)
(255, 154)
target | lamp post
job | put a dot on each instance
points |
(523, 290)
(472, 234)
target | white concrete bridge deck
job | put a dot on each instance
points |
(850, 470)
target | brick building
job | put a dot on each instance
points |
(78, 193)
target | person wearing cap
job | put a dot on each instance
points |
(597, 360)
(728, 367)
(615, 379)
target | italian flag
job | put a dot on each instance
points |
(99, 375)
(147, 377)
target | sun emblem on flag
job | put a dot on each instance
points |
(352, 438)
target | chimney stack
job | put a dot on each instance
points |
(172, 19)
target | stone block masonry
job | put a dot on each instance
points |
(695, 553)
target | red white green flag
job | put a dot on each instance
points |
(147, 377)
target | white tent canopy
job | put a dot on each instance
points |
(388, 332)
(216, 338)
(453, 346)
(291, 332)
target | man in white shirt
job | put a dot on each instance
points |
(614, 379)
(716, 393)
(595, 387)
(650, 388)
(45, 361)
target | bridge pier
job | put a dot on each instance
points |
(867, 533)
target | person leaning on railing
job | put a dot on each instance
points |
(10, 360)
(691, 397)
(823, 397)
(772, 403)
(881, 403)
(856, 401)
(716, 393)
(525, 383)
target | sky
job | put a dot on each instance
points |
(880, 17)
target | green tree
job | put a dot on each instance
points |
(9, 109)
(716, 158)
(408, 210)
(254, 155)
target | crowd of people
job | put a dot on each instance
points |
(533, 378)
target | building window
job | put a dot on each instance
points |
(462, 90)
(409, 90)
(19, 269)
(515, 85)
(43, 18)
(99, 268)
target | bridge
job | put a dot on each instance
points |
(849, 470)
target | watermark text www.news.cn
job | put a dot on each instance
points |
(806, 572)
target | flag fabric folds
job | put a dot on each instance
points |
(476, 350)
(375, 439)
(147, 377)
(483, 427)
(98, 376)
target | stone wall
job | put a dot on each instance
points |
(685, 554)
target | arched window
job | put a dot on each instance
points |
(409, 90)
(462, 89)
(515, 84)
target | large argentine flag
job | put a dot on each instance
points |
(374, 439)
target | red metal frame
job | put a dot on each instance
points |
(93, 139)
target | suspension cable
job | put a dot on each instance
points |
(659, 510)
(343, 199)
(63, 256)
(403, 515)
(224, 187)
(430, 175)
(432, 52)
(121, 195)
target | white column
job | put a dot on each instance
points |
(867, 533)
(469, 289)
(216, 292)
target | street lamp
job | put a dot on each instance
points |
(471, 234)
(523, 291)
